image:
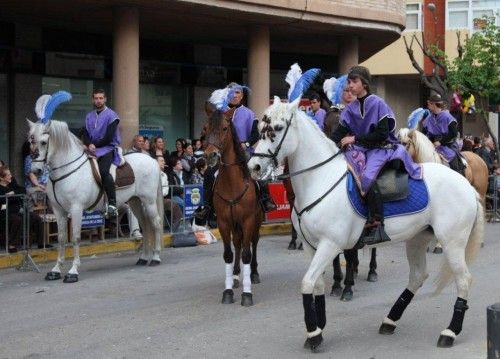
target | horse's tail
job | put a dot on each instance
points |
(159, 204)
(471, 250)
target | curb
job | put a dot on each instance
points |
(113, 246)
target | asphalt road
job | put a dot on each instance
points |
(118, 310)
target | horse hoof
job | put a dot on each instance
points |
(228, 296)
(154, 263)
(314, 343)
(70, 278)
(255, 278)
(246, 299)
(141, 262)
(336, 291)
(292, 245)
(346, 295)
(437, 250)
(386, 329)
(445, 341)
(53, 276)
(301, 247)
(236, 283)
(372, 277)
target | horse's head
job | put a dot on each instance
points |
(407, 138)
(278, 138)
(218, 132)
(38, 138)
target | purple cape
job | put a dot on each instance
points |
(96, 125)
(243, 119)
(367, 163)
(318, 117)
(437, 125)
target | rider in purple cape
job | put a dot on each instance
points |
(441, 128)
(102, 137)
(366, 129)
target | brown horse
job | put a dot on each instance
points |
(236, 203)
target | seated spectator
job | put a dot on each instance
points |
(137, 145)
(158, 148)
(477, 144)
(199, 172)
(172, 209)
(179, 148)
(486, 153)
(176, 180)
(34, 184)
(8, 187)
(198, 149)
(188, 161)
(147, 145)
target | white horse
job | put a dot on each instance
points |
(327, 223)
(73, 189)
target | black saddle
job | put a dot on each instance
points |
(393, 182)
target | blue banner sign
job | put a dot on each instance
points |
(193, 198)
(92, 219)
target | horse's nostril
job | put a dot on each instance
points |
(256, 168)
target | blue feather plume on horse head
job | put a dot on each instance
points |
(416, 116)
(299, 85)
(47, 104)
(334, 87)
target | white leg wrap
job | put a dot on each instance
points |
(389, 321)
(229, 276)
(449, 333)
(313, 334)
(247, 283)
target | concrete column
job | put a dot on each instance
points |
(259, 68)
(348, 54)
(126, 71)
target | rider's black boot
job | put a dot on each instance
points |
(374, 232)
(266, 200)
(109, 188)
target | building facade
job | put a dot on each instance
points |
(159, 60)
(437, 22)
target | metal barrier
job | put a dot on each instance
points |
(492, 198)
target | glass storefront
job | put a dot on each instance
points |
(163, 109)
(4, 121)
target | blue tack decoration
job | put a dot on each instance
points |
(417, 200)
(303, 84)
(338, 89)
(416, 116)
(55, 100)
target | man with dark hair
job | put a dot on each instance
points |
(102, 137)
(317, 113)
(367, 131)
(441, 128)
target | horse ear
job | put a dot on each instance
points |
(276, 101)
(30, 123)
(294, 105)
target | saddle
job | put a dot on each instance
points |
(393, 184)
(123, 175)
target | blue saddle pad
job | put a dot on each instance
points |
(417, 200)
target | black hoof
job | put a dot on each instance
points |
(314, 343)
(372, 277)
(154, 263)
(236, 283)
(255, 278)
(336, 290)
(300, 247)
(70, 278)
(53, 276)
(437, 250)
(228, 296)
(246, 299)
(386, 329)
(346, 295)
(445, 341)
(292, 245)
(141, 262)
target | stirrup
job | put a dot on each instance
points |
(111, 211)
(376, 235)
(269, 205)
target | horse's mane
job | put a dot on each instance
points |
(303, 117)
(424, 149)
(61, 138)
